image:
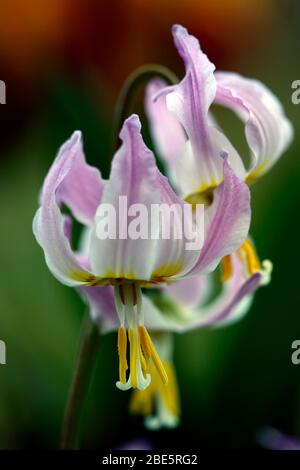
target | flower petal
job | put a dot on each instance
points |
(190, 101)
(133, 178)
(233, 301)
(172, 258)
(168, 134)
(271, 438)
(101, 303)
(190, 292)
(81, 189)
(227, 221)
(50, 226)
(267, 129)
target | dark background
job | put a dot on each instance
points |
(64, 62)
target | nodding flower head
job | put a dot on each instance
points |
(124, 263)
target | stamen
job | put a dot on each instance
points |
(141, 402)
(150, 352)
(227, 268)
(171, 391)
(120, 289)
(134, 294)
(158, 403)
(143, 362)
(122, 350)
(119, 304)
(129, 306)
(248, 251)
(133, 356)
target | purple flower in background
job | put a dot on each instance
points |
(273, 439)
(137, 444)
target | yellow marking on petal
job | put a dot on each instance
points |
(203, 194)
(88, 279)
(150, 351)
(257, 172)
(248, 251)
(120, 275)
(82, 276)
(204, 187)
(167, 270)
(122, 350)
(227, 268)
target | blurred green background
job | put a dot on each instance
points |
(63, 63)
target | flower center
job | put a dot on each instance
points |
(142, 352)
(204, 196)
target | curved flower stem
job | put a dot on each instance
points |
(131, 86)
(89, 341)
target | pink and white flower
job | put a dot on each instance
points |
(124, 266)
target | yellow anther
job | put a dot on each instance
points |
(143, 402)
(227, 268)
(133, 340)
(248, 251)
(170, 393)
(143, 362)
(144, 343)
(122, 350)
(150, 352)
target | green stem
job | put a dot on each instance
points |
(88, 344)
(132, 85)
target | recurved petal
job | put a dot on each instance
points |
(82, 186)
(190, 292)
(230, 305)
(50, 227)
(227, 221)
(190, 101)
(100, 301)
(267, 129)
(167, 132)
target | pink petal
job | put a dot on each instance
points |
(190, 292)
(82, 186)
(101, 303)
(133, 176)
(50, 227)
(168, 135)
(227, 221)
(199, 166)
(233, 301)
(267, 130)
